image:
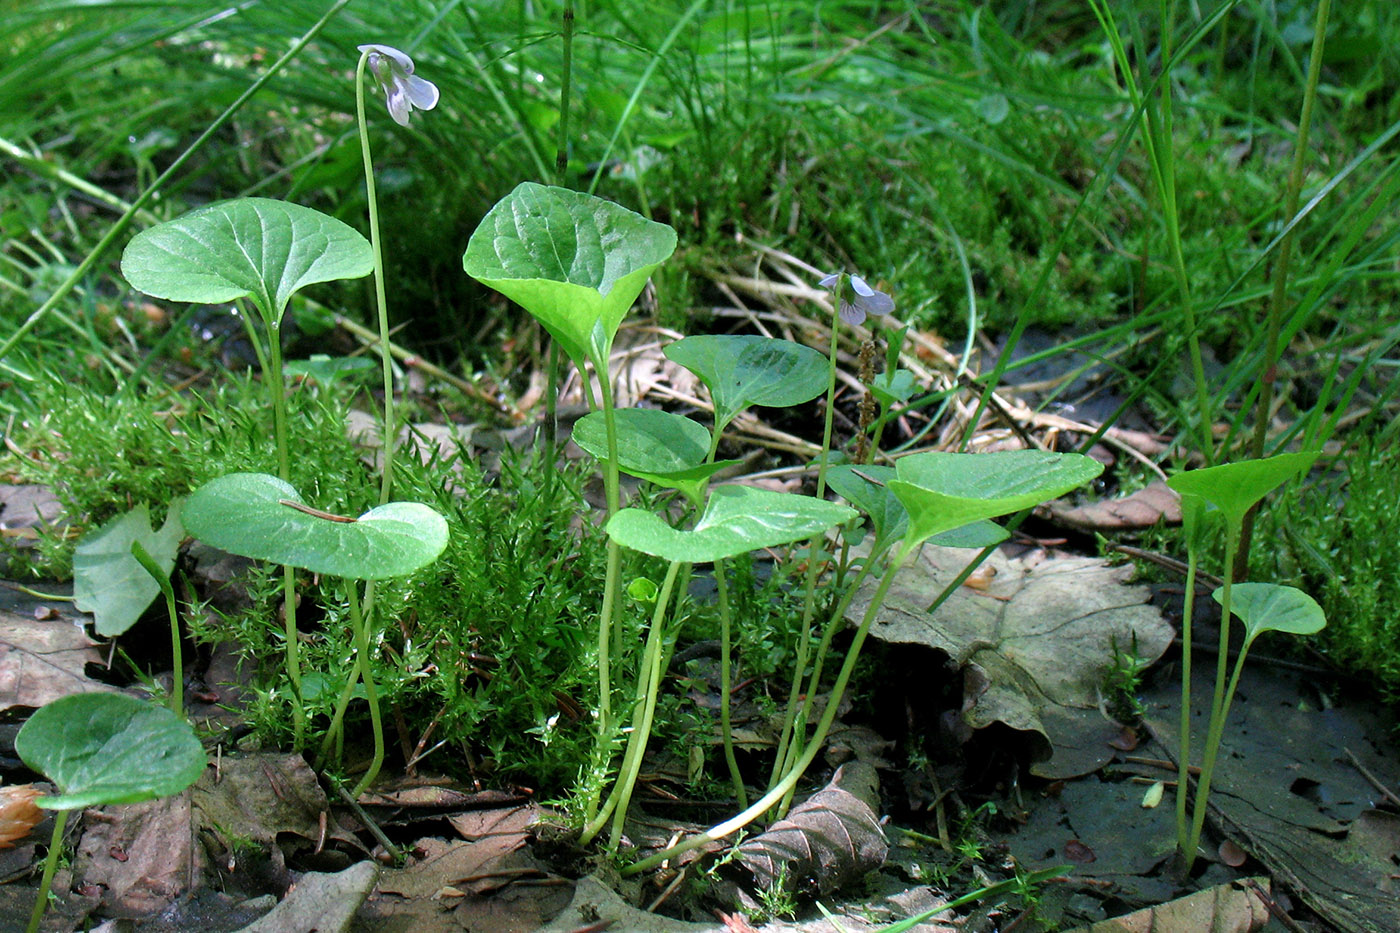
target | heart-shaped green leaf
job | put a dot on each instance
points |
(659, 447)
(1235, 487)
(944, 491)
(107, 748)
(249, 514)
(574, 261)
(737, 519)
(325, 370)
(893, 387)
(867, 488)
(253, 248)
(108, 581)
(976, 535)
(1270, 607)
(744, 370)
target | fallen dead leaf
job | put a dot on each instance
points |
(43, 661)
(138, 856)
(18, 814)
(1036, 643)
(1226, 908)
(1153, 503)
(830, 840)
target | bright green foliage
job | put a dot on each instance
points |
(657, 446)
(944, 491)
(1235, 487)
(109, 582)
(327, 370)
(743, 370)
(737, 519)
(1269, 607)
(574, 261)
(253, 248)
(255, 515)
(105, 748)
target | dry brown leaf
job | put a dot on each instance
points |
(18, 814)
(831, 839)
(139, 856)
(43, 661)
(1226, 908)
(1034, 647)
(1154, 503)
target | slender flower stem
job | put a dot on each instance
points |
(362, 648)
(648, 687)
(790, 734)
(789, 781)
(278, 388)
(389, 439)
(60, 819)
(1183, 766)
(177, 686)
(725, 681)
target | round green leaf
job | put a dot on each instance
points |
(1270, 607)
(737, 519)
(743, 370)
(1235, 487)
(944, 491)
(247, 514)
(253, 248)
(106, 748)
(574, 261)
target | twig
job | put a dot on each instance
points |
(365, 820)
(1272, 906)
(1385, 791)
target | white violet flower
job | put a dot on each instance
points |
(860, 299)
(393, 73)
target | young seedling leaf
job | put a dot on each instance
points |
(254, 248)
(737, 520)
(108, 748)
(109, 582)
(1235, 487)
(659, 447)
(574, 261)
(976, 535)
(1270, 607)
(893, 387)
(260, 516)
(944, 491)
(325, 370)
(867, 488)
(744, 370)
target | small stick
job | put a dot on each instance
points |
(365, 820)
(1385, 791)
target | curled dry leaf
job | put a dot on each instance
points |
(829, 840)
(18, 814)
(1152, 504)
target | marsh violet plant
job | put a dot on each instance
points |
(857, 299)
(393, 76)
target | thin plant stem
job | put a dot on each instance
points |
(790, 739)
(389, 437)
(177, 686)
(725, 681)
(278, 389)
(137, 206)
(648, 683)
(789, 781)
(1268, 378)
(1183, 767)
(60, 820)
(606, 621)
(1217, 706)
(358, 622)
(1212, 754)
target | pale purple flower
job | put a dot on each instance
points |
(402, 89)
(859, 300)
